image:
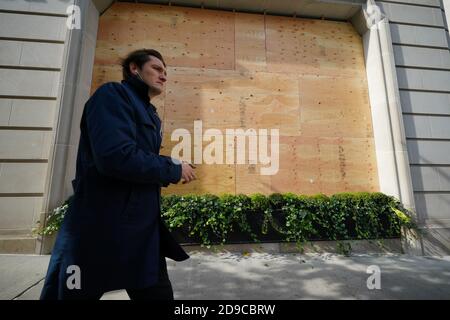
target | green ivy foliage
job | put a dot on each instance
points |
(54, 220)
(296, 218)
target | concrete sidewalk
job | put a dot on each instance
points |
(266, 276)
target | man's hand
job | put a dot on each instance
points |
(187, 172)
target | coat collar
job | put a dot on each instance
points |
(141, 88)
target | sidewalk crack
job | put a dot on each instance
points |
(28, 289)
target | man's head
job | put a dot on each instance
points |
(149, 66)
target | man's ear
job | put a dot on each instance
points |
(133, 67)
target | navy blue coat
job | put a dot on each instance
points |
(113, 229)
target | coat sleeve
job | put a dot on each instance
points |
(111, 128)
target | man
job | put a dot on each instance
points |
(113, 236)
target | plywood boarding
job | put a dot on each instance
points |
(226, 99)
(250, 42)
(186, 36)
(304, 77)
(303, 46)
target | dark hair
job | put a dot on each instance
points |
(139, 57)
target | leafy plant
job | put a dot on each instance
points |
(54, 219)
(209, 219)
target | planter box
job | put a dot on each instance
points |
(388, 246)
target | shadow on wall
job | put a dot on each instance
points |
(429, 199)
(436, 240)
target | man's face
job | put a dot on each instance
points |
(153, 73)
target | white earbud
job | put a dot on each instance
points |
(139, 75)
